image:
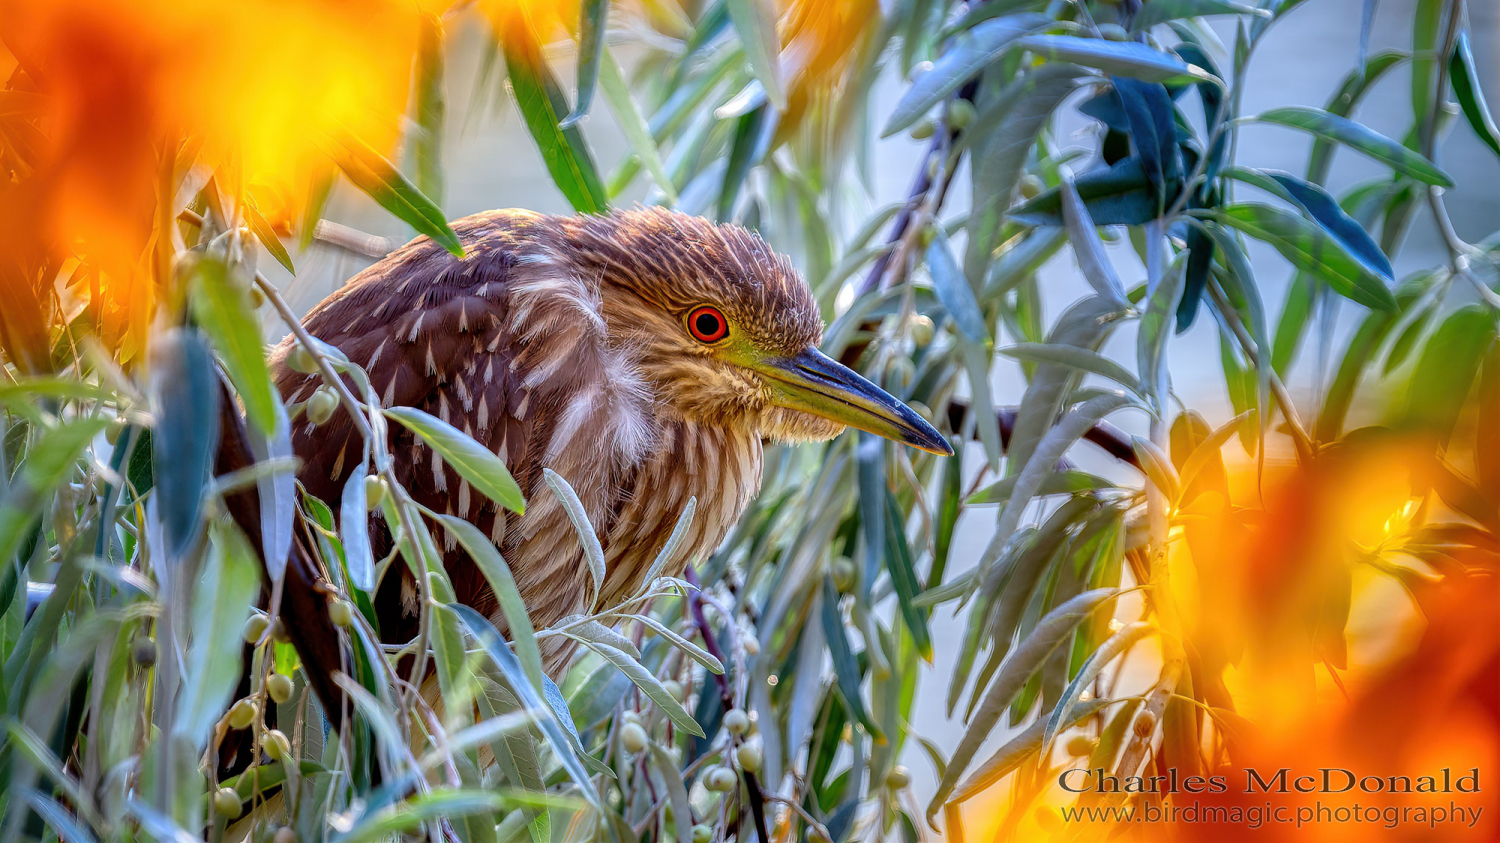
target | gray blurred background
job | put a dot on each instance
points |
(492, 163)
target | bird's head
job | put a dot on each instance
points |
(727, 332)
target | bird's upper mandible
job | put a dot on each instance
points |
(642, 355)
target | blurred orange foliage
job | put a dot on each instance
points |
(134, 92)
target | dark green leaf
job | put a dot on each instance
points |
(1310, 249)
(184, 442)
(1120, 194)
(369, 171)
(755, 21)
(1470, 97)
(845, 667)
(542, 104)
(904, 578)
(592, 19)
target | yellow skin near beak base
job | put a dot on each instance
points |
(815, 383)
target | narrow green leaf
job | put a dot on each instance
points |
(693, 651)
(1360, 138)
(354, 530)
(898, 562)
(970, 53)
(1081, 359)
(1156, 328)
(1355, 86)
(1161, 11)
(677, 794)
(1157, 467)
(1048, 635)
(497, 573)
(1087, 246)
(542, 104)
(473, 462)
(1118, 58)
(612, 79)
(369, 171)
(222, 308)
(562, 744)
(431, 108)
(593, 551)
(845, 667)
(1004, 136)
(755, 21)
(649, 685)
(267, 236)
(1057, 483)
(1470, 98)
(593, 17)
(953, 289)
(1042, 462)
(1310, 249)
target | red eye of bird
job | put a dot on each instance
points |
(707, 324)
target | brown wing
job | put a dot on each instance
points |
(507, 345)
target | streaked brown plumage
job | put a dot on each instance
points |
(562, 343)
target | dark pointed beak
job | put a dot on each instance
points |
(815, 383)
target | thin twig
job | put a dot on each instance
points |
(1305, 446)
(754, 795)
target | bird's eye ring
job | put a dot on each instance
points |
(707, 324)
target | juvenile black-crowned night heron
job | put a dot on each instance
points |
(642, 355)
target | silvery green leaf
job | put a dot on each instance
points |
(593, 552)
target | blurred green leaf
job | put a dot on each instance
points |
(1081, 359)
(221, 600)
(612, 79)
(431, 108)
(267, 236)
(221, 305)
(1342, 104)
(1156, 329)
(755, 21)
(369, 171)
(475, 463)
(1445, 372)
(186, 390)
(845, 668)
(1161, 11)
(1057, 483)
(953, 289)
